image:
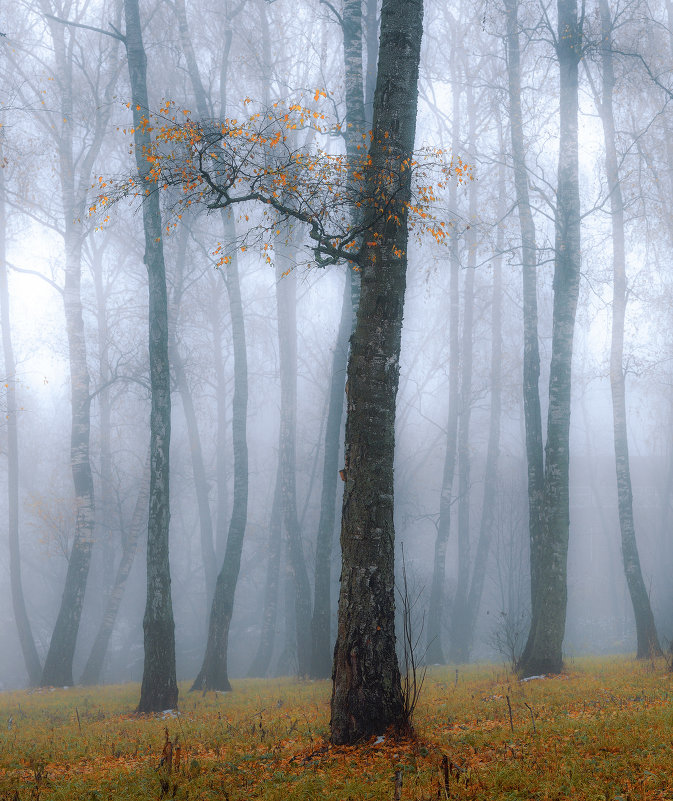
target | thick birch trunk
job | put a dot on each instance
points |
(366, 695)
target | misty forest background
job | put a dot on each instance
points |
(461, 473)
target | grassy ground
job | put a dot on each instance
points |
(603, 730)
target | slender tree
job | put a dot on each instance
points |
(646, 633)
(321, 639)
(159, 689)
(30, 655)
(549, 592)
(436, 607)
(75, 178)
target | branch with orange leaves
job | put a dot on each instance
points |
(261, 162)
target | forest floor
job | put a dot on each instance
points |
(602, 730)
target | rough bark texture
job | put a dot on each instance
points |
(531, 352)
(159, 689)
(30, 655)
(366, 694)
(321, 638)
(436, 608)
(94, 665)
(647, 639)
(543, 651)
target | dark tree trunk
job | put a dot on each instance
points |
(213, 674)
(260, 664)
(648, 641)
(366, 695)
(30, 655)
(159, 688)
(94, 665)
(543, 651)
(436, 607)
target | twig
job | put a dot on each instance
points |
(398, 785)
(79, 725)
(445, 772)
(532, 716)
(509, 706)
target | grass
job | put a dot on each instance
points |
(603, 730)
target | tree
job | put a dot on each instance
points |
(218, 164)
(549, 550)
(366, 693)
(30, 655)
(159, 688)
(75, 178)
(531, 348)
(647, 639)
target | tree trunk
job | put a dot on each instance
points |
(366, 695)
(286, 297)
(321, 639)
(94, 665)
(543, 652)
(193, 435)
(460, 634)
(58, 662)
(213, 674)
(159, 688)
(260, 664)
(648, 641)
(493, 449)
(531, 351)
(30, 655)
(436, 608)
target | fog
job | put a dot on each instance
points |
(66, 131)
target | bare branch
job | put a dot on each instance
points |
(114, 35)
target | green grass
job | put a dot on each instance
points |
(603, 730)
